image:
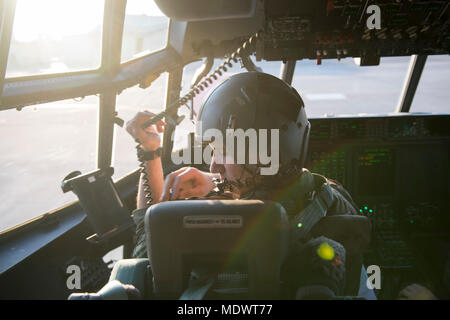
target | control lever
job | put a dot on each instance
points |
(248, 64)
(204, 69)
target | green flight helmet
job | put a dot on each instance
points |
(260, 101)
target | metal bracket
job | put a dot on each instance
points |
(411, 82)
(248, 64)
(204, 69)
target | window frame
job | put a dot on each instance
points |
(18, 92)
(50, 75)
(108, 80)
(166, 45)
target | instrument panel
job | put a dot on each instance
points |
(324, 29)
(396, 167)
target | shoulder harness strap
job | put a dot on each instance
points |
(320, 200)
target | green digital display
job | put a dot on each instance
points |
(375, 172)
(332, 165)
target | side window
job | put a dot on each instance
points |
(129, 102)
(144, 30)
(53, 36)
(40, 146)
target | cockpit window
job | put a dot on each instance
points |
(342, 87)
(40, 146)
(54, 36)
(433, 94)
(338, 88)
(129, 102)
(144, 30)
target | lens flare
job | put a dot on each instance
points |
(325, 251)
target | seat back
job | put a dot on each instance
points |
(354, 233)
(224, 236)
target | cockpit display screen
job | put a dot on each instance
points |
(375, 172)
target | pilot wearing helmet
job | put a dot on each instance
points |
(255, 101)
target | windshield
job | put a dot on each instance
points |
(343, 88)
(337, 88)
(433, 92)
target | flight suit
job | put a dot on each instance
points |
(293, 198)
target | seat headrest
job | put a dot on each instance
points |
(221, 234)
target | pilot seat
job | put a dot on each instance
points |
(227, 249)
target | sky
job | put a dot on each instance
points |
(54, 19)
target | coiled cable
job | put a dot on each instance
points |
(145, 182)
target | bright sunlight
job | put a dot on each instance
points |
(54, 19)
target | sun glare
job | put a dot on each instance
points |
(145, 7)
(54, 19)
